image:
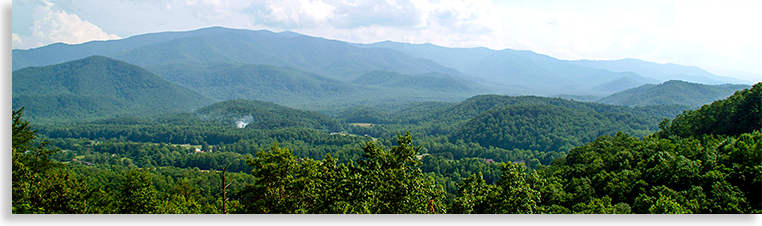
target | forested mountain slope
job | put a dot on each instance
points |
(305, 90)
(97, 87)
(738, 114)
(435, 82)
(265, 115)
(672, 92)
(227, 81)
(544, 127)
(481, 103)
(547, 125)
(705, 161)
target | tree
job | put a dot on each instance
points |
(474, 196)
(667, 205)
(383, 182)
(185, 199)
(30, 157)
(284, 184)
(137, 194)
(224, 188)
(395, 180)
(39, 185)
(513, 194)
(517, 195)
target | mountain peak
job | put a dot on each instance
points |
(96, 87)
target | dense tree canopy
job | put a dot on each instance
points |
(577, 158)
(738, 114)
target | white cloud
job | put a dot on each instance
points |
(453, 23)
(53, 25)
(290, 14)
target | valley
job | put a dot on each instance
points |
(308, 125)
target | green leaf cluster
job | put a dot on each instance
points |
(386, 182)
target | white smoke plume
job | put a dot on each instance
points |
(242, 122)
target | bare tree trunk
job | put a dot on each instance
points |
(224, 190)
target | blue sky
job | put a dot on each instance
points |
(722, 37)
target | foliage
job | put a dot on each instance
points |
(136, 165)
(264, 115)
(382, 182)
(540, 127)
(97, 87)
(39, 185)
(512, 195)
(672, 92)
(137, 194)
(638, 173)
(738, 114)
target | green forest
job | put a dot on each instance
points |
(486, 154)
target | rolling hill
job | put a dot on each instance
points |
(476, 105)
(265, 115)
(540, 127)
(735, 115)
(97, 87)
(672, 92)
(440, 118)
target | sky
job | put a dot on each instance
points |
(720, 36)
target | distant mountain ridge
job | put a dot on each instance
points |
(661, 72)
(519, 71)
(464, 59)
(59, 52)
(513, 72)
(330, 58)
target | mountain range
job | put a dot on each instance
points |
(99, 87)
(181, 71)
(475, 61)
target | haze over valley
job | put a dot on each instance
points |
(348, 108)
(327, 75)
